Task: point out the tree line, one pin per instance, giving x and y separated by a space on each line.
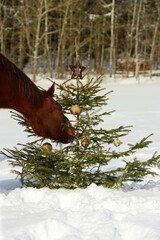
109 32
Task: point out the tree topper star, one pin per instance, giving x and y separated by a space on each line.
77 70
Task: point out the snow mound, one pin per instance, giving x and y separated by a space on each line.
93 213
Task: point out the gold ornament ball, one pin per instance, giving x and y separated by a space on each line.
47 147
75 109
85 143
116 142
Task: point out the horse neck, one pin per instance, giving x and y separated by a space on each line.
23 106
28 106
27 102
19 93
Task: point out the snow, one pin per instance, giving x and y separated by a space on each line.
94 213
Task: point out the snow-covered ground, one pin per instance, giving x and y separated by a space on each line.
95 213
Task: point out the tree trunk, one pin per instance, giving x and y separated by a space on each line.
37 42
60 40
137 41
112 44
131 37
154 41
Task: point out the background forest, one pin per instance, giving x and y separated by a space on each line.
114 35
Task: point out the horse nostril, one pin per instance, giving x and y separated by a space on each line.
70 136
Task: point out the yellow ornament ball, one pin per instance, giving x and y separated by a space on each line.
47 147
85 143
116 142
75 109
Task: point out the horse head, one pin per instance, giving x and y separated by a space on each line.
49 120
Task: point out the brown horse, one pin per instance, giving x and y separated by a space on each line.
43 113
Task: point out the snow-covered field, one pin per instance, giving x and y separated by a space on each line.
96 213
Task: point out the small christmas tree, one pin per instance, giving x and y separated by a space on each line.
86 159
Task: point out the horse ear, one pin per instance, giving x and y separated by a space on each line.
50 92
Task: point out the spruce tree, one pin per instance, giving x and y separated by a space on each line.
85 160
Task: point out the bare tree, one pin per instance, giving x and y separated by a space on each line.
137 39
112 44
61 40
155 34
3 19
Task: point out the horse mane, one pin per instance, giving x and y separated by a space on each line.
24 83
